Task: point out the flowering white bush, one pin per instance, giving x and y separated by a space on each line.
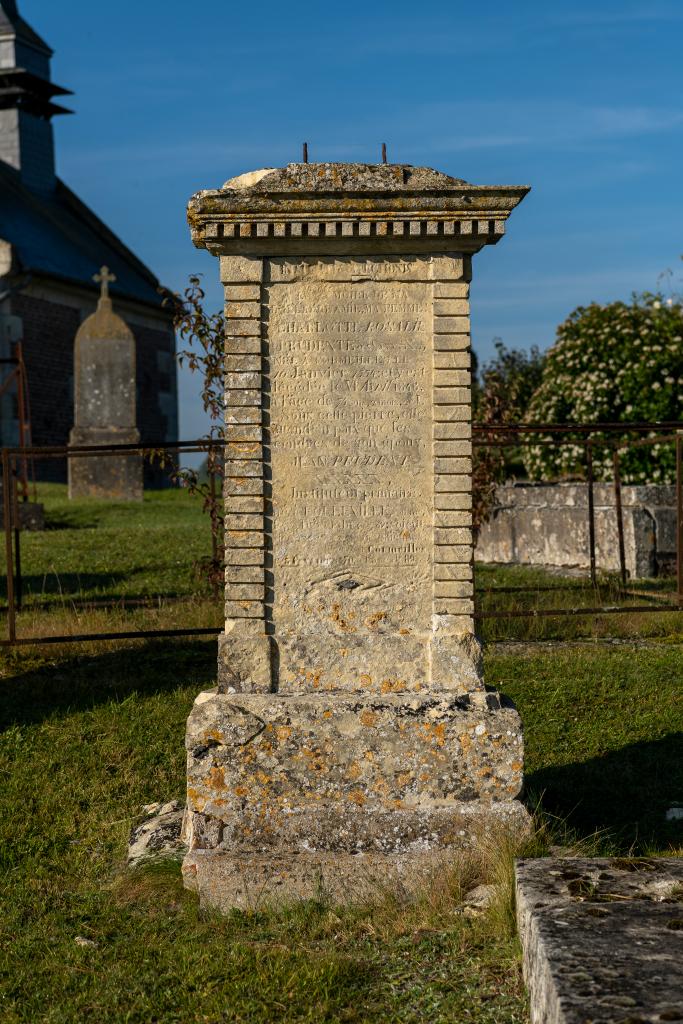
612 364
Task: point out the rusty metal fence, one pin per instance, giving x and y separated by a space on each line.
590 437
12 464
14 461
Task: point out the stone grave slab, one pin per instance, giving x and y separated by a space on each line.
105 404
602 939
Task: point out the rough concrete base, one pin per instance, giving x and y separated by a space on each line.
224 879
602 939
111 477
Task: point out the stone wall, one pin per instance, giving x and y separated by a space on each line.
547 524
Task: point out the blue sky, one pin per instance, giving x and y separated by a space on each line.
580 100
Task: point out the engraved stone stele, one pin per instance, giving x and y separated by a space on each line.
104 404
351 741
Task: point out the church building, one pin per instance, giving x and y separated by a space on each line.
51 245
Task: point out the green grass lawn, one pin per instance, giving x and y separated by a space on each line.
93 549
89 733
519 588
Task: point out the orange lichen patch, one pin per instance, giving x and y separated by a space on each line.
484 773
425 776
465 742
283 732
264 779
365 679
354 772
404 779
327 714
196 799
374 620
393 685
369 756
357 797
216 779
516 766
343 652
241 791
436 733
404 632
368 718
342 623
381 786
405 535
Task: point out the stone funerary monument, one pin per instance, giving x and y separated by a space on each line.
104 404
351 740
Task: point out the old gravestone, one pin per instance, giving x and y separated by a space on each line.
351 740
104 404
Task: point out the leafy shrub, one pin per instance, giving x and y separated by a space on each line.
612 364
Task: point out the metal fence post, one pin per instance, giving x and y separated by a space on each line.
620 515
591 509
679 519
7 514
18 583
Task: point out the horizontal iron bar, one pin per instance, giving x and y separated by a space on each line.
143 634
569 428
546 613
201 443
535 590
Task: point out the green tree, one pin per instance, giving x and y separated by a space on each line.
616 363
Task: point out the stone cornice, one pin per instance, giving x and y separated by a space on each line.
339 208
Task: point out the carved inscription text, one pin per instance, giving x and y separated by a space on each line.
350 430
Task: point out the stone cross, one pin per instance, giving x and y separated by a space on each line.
351 738
104 278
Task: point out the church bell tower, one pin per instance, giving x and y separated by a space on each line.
27 101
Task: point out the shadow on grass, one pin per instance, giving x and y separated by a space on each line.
626 792
72 519
81 682
66 584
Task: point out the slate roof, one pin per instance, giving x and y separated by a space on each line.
59 236
11 23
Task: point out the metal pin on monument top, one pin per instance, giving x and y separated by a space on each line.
384 152
305 152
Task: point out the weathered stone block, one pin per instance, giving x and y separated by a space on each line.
548 524
389 777
602 939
